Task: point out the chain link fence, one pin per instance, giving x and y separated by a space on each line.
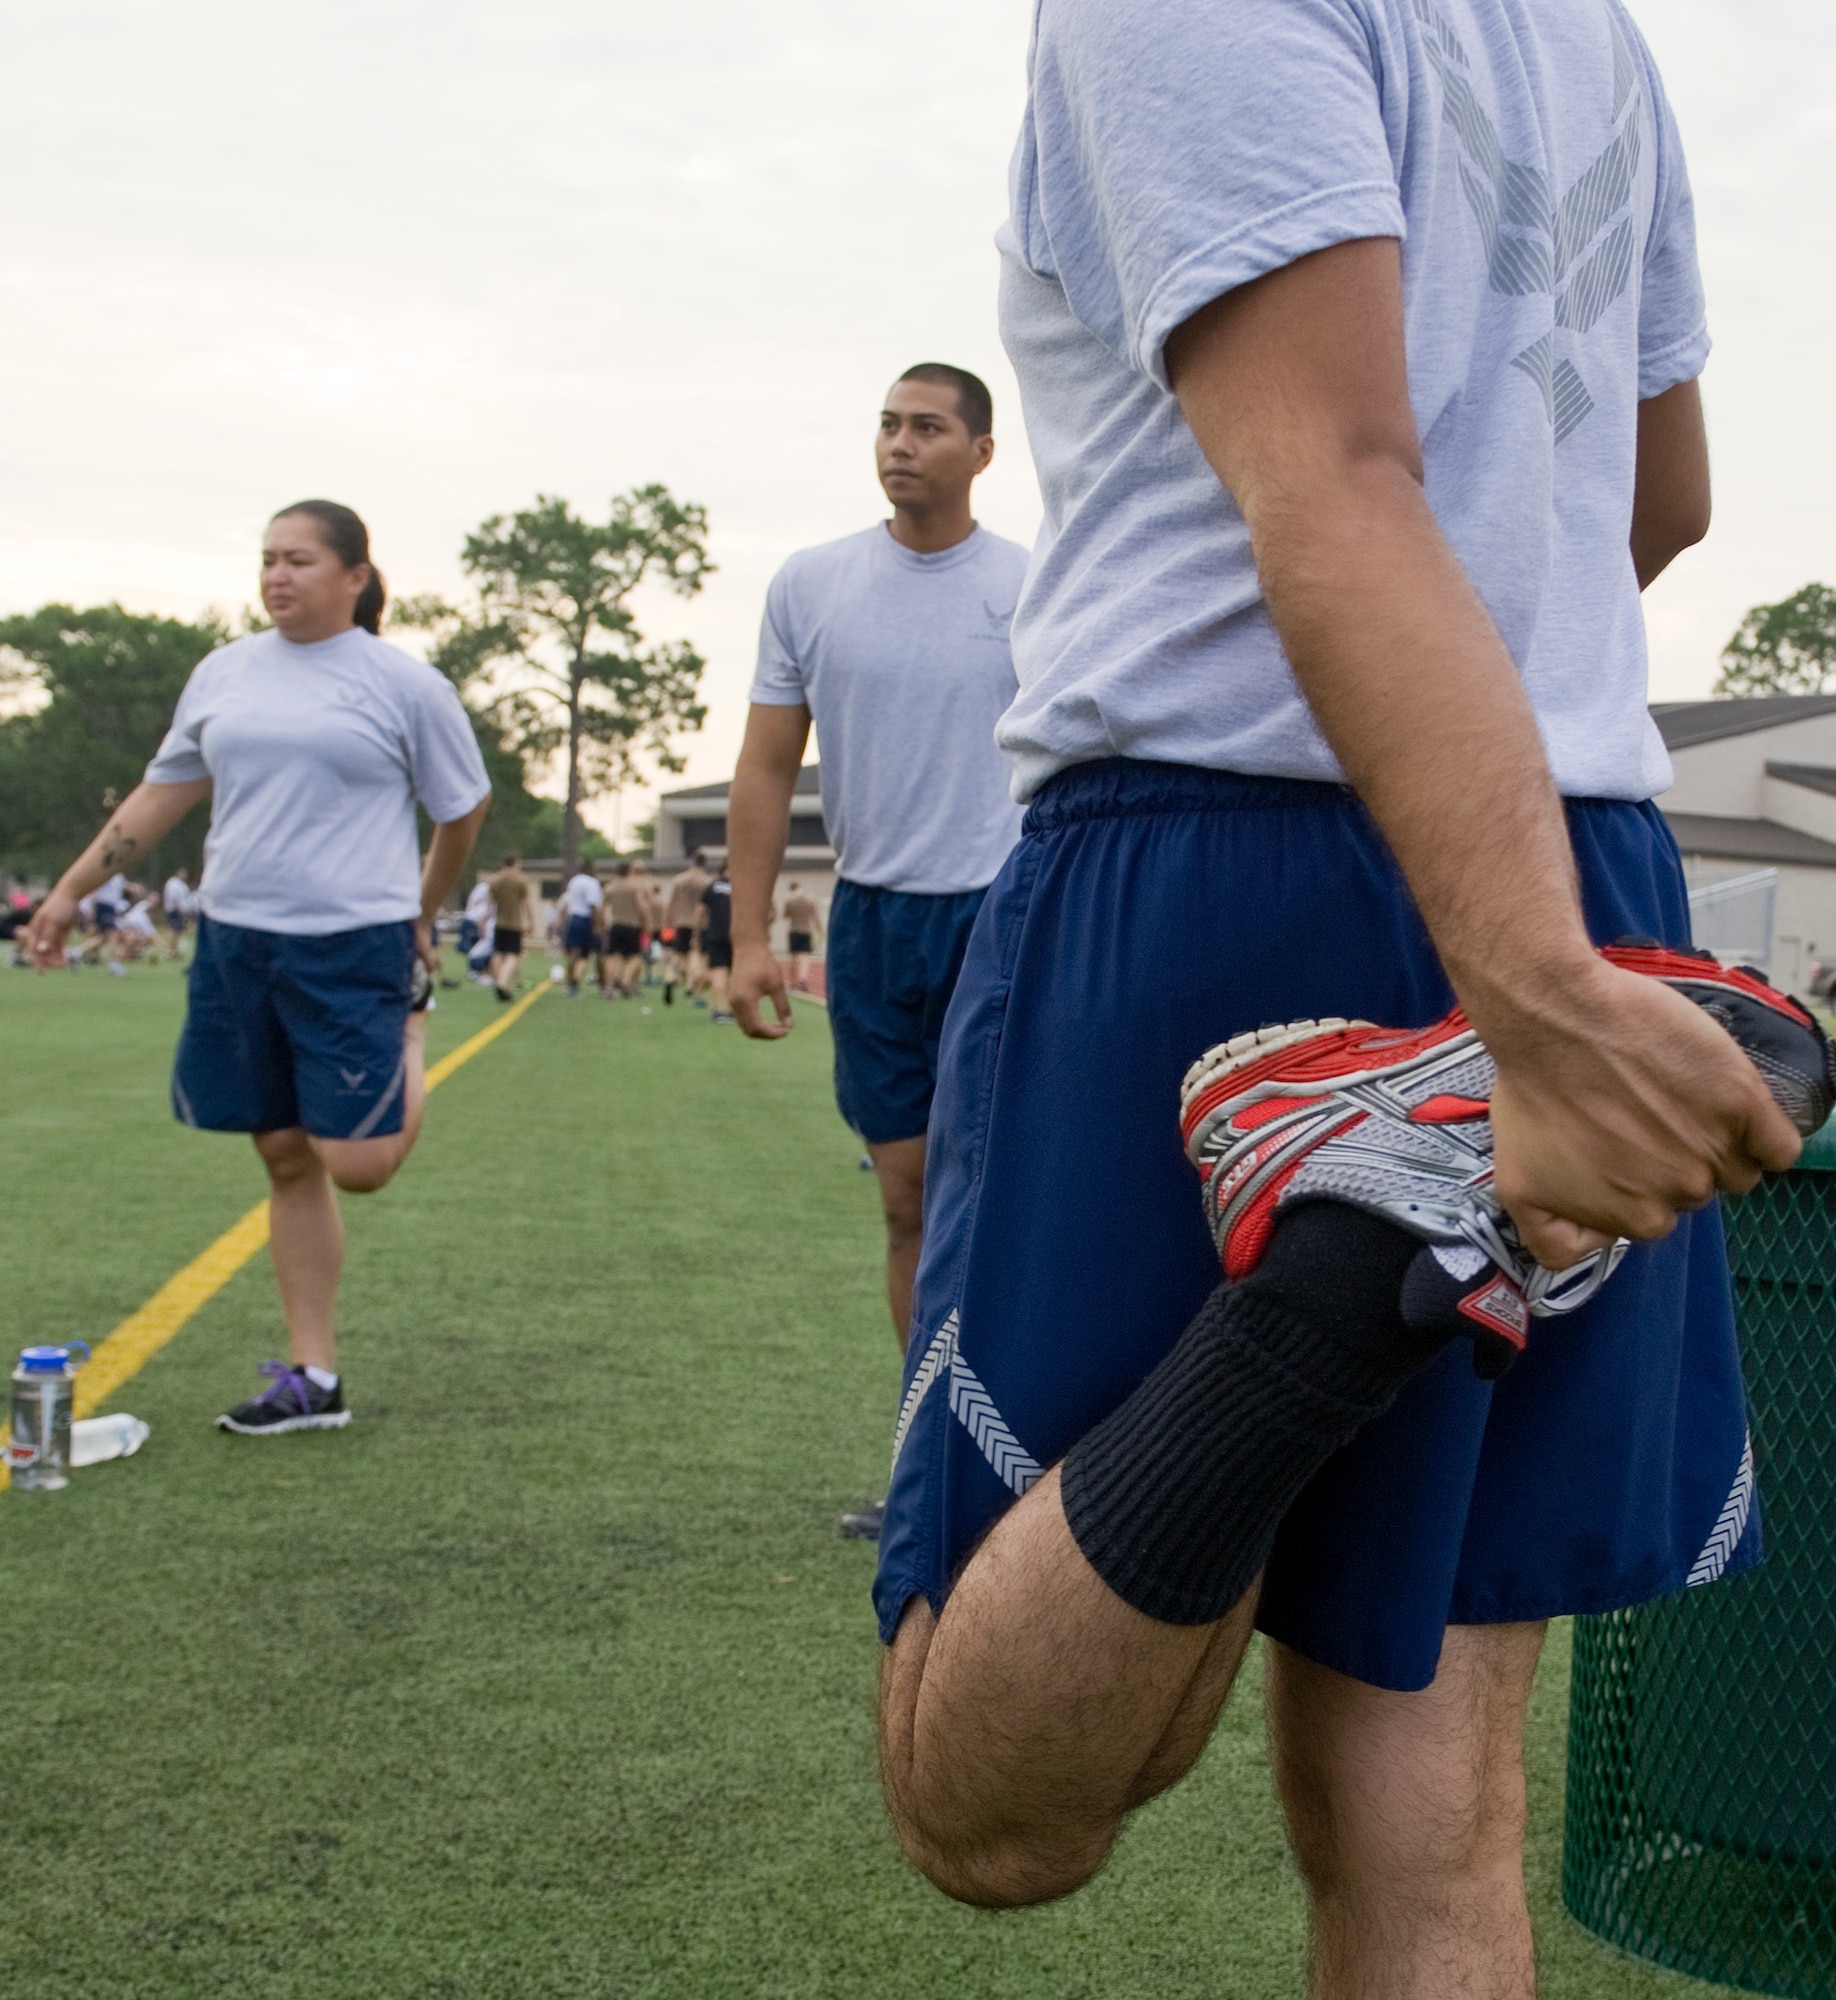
1701 1827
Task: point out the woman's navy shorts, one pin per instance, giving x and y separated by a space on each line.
1149 911
283 1031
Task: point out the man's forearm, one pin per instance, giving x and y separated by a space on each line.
758 828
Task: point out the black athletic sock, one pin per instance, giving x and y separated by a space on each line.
1175 1497
1461 1291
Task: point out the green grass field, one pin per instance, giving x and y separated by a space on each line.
548 1677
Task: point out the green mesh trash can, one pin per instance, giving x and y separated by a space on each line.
1701 1827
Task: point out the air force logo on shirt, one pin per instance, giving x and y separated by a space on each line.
1578 247
999 623
353 1078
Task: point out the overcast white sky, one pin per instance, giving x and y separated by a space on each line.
431 257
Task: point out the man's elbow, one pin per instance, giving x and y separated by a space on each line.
1694 522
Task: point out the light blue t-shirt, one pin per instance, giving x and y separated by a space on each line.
1175 149
317 756
903 662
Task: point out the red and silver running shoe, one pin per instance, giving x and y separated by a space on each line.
1782 1040
1398 1123
1394 1122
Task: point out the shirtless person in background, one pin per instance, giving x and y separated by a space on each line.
803 918
513 900
630 911
681 919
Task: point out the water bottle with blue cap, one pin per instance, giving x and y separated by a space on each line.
38 1452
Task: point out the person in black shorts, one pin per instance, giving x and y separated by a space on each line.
717 941
629 915
803 915
513 908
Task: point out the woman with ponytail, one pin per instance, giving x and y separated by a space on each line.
315 962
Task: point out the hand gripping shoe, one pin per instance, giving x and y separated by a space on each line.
1395 1122
1398 1124
1781 1039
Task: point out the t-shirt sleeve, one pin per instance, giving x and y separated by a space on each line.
1673 338
779 681
1179 150
179 760
445 764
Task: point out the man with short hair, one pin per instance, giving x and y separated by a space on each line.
512 919
894 642
1333 708
803 922
581 903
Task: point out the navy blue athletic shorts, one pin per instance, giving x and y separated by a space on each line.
1149 911
284 1031
580 936
893 963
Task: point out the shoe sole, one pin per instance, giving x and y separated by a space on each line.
334 1420
1240 1050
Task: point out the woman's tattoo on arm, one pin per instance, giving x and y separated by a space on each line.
117 847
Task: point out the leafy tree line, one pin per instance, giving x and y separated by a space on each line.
548 659
1784 648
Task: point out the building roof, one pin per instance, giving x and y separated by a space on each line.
1813 777
1682 724
1762 841
809 782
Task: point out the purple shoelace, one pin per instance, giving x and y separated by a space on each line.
282 1377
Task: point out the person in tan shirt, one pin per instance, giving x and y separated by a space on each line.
513 902
629 912
682 915
803 916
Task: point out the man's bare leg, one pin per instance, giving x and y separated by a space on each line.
1020 1729
1406 1813
899 1166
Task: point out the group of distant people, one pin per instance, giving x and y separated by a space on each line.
117 923
623 924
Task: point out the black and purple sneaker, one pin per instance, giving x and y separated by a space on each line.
292 1401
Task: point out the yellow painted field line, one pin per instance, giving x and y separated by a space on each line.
482 1040
147 1329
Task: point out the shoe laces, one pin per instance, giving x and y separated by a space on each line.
282 1377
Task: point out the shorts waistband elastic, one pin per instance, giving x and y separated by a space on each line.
1124 787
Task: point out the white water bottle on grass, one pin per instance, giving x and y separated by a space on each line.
94 1440
38 1451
